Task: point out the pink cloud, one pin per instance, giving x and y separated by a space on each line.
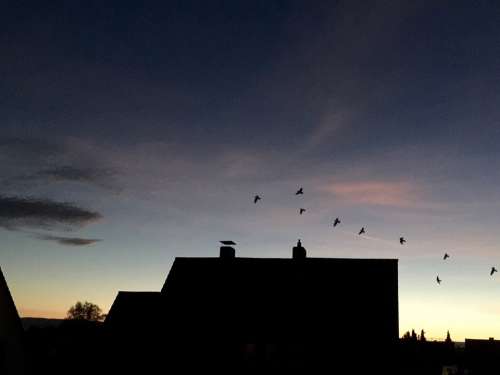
383 193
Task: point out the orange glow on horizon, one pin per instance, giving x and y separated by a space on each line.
35 313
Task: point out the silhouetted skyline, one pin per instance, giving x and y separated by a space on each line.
133 133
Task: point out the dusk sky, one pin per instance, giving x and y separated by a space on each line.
134 132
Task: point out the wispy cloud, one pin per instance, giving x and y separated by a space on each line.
85 175
369 237
26 161
30 147
18 212
331 124
96 176
372 192
73 174
69 241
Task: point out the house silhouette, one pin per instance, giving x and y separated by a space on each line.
11 334
482 356
227 310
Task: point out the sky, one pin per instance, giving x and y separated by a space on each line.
135 132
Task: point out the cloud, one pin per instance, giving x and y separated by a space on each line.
32 147
18 212
383 193
331 124
70 241
86 175
29 160
95 176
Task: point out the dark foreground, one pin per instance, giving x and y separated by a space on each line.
80 347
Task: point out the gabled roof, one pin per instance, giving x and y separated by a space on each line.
274 271
10 323
134 310
11 333
278 297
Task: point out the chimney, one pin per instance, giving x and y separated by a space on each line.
298 251
227 252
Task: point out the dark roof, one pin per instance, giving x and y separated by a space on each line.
10 323
480 344
186 270
12 359
256 297
135 310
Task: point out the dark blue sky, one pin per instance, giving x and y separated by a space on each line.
233 72
134 132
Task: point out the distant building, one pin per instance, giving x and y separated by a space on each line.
321 310
482 356
427 357
11 333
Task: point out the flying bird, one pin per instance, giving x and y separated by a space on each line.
493 270
336 222
438 279
446 256
300 191
402 240
302 210
226 242
362 231
256 199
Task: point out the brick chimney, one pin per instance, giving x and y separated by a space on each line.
299 252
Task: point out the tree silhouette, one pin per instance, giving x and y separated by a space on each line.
422 336
413 335
448 338
85 311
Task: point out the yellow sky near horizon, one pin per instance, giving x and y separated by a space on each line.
467 323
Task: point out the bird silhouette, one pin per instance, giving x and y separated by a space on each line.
402 240
336 222
256 199
438 279
302 210
446 256
228 242
300 191
362 231
493 270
